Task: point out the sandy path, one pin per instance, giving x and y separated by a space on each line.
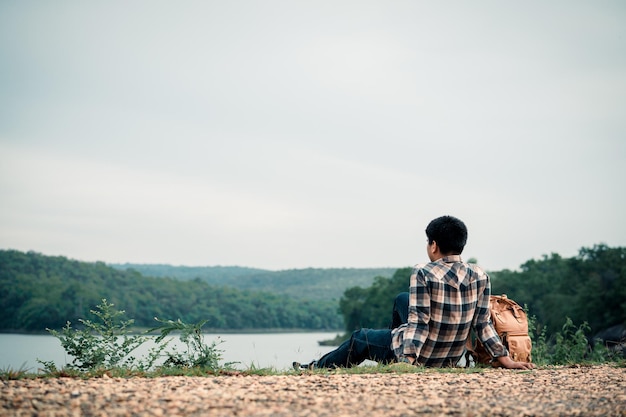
584 391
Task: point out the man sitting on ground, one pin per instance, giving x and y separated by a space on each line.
431 324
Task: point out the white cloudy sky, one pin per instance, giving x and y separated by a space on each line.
292 134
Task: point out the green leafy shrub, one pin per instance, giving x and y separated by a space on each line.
571 344
104 344
537 333
196 353
108 344
567 347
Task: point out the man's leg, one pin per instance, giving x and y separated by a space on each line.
400 314
364 344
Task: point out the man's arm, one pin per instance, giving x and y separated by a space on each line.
419 315
483 327
488 335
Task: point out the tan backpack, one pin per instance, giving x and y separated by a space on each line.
511 324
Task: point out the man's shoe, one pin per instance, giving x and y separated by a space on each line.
304 366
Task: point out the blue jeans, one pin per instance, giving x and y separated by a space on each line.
369 344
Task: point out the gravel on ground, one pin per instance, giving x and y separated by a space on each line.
562 391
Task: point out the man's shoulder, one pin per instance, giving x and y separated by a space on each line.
459 268
431 270
477 269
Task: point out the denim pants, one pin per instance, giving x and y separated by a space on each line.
372 344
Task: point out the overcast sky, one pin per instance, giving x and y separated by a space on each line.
294 134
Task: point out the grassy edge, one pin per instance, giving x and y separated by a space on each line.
399 369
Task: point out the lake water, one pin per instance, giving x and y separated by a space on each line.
262 350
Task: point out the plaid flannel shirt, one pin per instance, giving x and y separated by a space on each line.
447 298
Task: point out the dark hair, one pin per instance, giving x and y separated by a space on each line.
450 234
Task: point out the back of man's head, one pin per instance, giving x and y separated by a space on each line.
450 234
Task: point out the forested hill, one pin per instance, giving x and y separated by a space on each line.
309 283
38 291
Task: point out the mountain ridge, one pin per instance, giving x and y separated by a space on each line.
311 283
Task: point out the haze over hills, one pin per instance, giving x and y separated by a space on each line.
309 283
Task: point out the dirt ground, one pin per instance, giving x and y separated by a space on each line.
567 391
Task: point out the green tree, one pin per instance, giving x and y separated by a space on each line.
590 287
371 307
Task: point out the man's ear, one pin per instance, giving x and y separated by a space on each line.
434 247
435 252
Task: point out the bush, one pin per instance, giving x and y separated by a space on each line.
108 344
197 354
567 347
104 344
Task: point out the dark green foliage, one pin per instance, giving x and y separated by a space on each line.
38 292
589 288
586 292
103 343
371 307
568 346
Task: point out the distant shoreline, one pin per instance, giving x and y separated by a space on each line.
139 331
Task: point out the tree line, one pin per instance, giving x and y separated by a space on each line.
39 292
590 287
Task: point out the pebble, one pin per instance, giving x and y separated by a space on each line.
585 391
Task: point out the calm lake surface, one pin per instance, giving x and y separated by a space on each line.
262 350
